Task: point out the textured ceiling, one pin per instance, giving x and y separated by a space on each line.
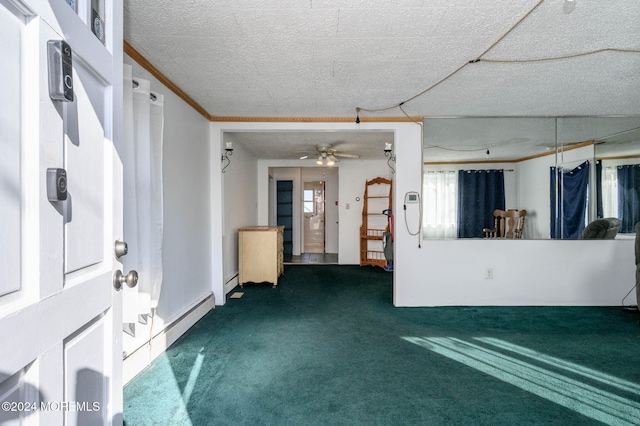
324 58
294 145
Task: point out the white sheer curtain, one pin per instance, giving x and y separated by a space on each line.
440 204
143 216
610 192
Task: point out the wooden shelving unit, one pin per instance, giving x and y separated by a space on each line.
284 214
378 196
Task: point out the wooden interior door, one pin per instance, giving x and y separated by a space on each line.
60 317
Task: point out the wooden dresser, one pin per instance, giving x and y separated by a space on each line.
260 254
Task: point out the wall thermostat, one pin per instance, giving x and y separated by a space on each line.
56 184
60 71
411 198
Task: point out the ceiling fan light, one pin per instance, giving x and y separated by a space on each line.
319 162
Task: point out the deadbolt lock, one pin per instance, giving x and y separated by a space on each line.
120 249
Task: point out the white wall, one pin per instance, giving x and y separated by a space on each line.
187 213
533 195
525 272
352 185
239 207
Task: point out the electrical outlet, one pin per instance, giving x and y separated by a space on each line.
488 274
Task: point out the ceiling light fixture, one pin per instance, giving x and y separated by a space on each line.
326 159
228 151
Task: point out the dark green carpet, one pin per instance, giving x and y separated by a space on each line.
328 347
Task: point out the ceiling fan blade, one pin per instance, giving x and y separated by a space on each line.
344 155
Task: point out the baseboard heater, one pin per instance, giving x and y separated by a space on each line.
140 358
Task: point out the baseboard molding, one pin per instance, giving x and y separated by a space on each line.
139 359
230 284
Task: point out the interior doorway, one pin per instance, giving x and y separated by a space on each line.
313 207
286 204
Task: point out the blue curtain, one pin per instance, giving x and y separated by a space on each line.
599 205
480 192
628 197
572 196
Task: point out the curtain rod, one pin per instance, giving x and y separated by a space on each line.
453 171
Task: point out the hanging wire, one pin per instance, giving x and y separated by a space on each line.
557 58
480 58
454 149
457 70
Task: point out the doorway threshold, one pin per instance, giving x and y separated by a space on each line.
313 258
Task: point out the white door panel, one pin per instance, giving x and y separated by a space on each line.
84 146
10 134
17 389
85 377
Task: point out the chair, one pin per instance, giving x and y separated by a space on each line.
510 220
601 229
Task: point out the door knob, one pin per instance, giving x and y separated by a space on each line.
131 279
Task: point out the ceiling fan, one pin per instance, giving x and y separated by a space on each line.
327 155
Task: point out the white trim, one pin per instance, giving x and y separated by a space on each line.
230 284
139 359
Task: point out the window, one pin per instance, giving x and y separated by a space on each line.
308 201
440 203
610 192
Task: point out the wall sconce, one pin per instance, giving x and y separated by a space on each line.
388 148
228 151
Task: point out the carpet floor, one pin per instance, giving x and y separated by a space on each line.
327 347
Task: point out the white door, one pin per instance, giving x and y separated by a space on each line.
60 315
314 217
